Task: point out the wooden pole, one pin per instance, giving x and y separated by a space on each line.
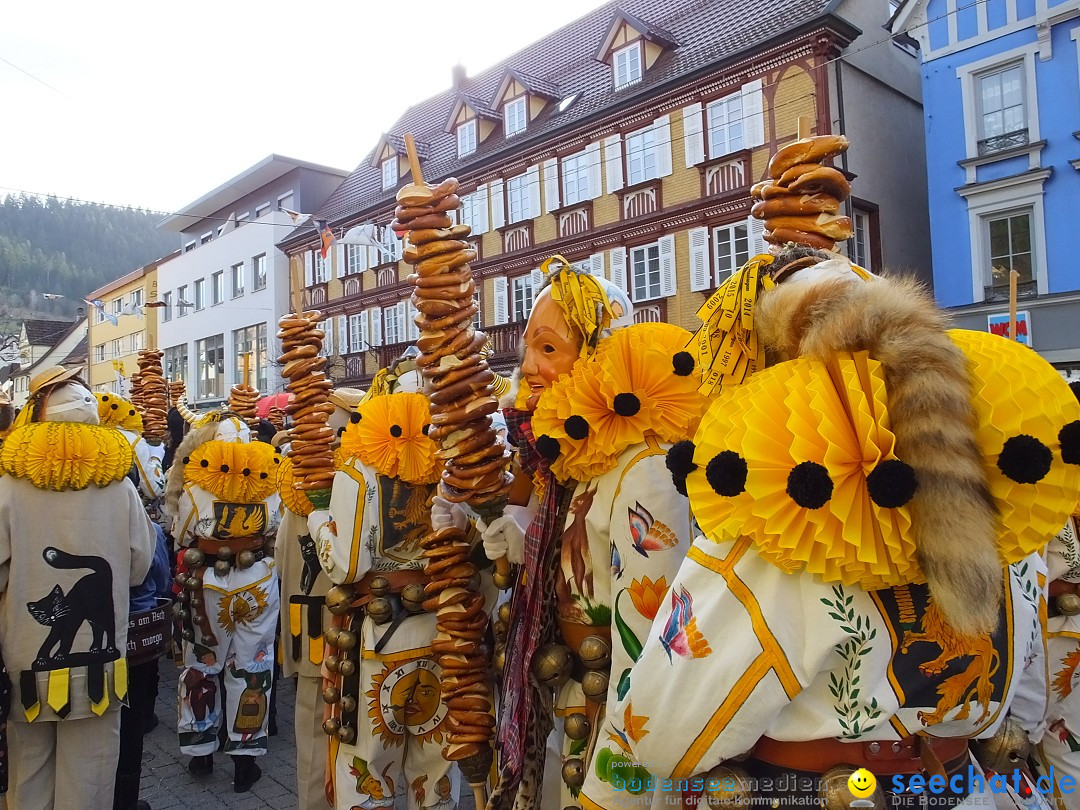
414 159
1013 278
297 288
247 368
804 127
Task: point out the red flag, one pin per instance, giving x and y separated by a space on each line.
327 237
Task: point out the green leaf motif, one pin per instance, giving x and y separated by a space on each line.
629 640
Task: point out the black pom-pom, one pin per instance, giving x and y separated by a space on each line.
340 432
1025 459
263 475
682 364
576 427
246 471
548 447
277 460
891 484
277 450
395 431
204 463
104 397
1069 438
185 459
627 404
1075 387
114 407
726 473
680 463
809 485
131 412
354 418
224 467
427 429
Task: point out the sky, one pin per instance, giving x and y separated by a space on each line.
154 103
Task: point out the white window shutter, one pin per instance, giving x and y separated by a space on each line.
756 229
327 328
668 280
613 162
374 255
596 265
592 157
363 258
662 134
551 185
498 207
532 179
339 262
402 314
309 268
342 334
501 311
376 326
364 336
410 314
537 278
693 136
618 267
699 259
753 113
480 211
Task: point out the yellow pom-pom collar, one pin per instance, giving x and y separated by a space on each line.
66 455
389 433
115 411
233 471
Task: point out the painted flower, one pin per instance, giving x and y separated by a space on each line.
647 595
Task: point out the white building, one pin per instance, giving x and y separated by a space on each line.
225 291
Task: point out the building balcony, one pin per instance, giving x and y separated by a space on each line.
727 174
505 340
1002 143
574 219
651 312
640 200
518 236
315 296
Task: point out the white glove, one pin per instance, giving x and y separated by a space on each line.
505 536
316 520
446 515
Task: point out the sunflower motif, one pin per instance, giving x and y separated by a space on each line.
242 607
234 472
115 411
66 455
389 433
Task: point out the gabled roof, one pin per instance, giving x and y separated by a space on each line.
533 84
397 143
653 33
480 108
79 354
46 331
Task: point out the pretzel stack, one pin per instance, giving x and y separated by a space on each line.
801 201
243 401
276 417
151 397
310 436
176 392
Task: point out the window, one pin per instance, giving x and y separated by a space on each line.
182 302
200 294
166 311
210 360
860 239
517 198
99 353
356 259
137 297
135 342
514 116
115 349
466 138
259 271
251 339
389 172
645 272
474 210
322 268
217 287
641 163
206 237
356 333
627 65
725 121
286 201
175 362
732 244
237 280
262 210
189 246
117 305
522 300
478 318
394 325
243 219
575 179
1002 123
1010 244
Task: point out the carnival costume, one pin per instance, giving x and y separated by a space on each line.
873 510
115 411
73 539
223 501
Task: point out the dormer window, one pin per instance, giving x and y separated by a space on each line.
626 63
389 173
514 116
466 138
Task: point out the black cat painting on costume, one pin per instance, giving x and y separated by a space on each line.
90 600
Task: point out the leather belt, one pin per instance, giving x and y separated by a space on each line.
877 756
397 579
211 545
573 634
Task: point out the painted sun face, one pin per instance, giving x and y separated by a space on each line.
415 698
551 347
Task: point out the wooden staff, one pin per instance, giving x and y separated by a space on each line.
1014 276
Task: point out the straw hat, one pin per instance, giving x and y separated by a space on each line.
54 375
346 398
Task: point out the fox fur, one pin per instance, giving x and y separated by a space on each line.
816 314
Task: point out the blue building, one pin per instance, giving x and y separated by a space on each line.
1001 96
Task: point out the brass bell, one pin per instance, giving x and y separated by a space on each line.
195 600
338 600
502 581
245 559
595 652
330 635
503 612
595 685
331 663
379 586
193 558
224 553
573 772
331 726
1006 750
412 598
193 584
380 610
184 597
198 618
183 614
177 609
499 659
346 667
346 734
1068 604
551 665
187 635
727 786
833 791
346 640
500 629
348 704
577 726
331 694
180 579
222 568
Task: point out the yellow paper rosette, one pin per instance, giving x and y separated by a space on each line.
579 457
115 411
389 433
295 500
235 472
66 455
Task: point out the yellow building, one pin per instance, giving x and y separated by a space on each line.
114 349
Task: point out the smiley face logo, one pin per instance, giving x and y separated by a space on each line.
861 783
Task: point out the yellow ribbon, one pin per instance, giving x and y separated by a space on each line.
315 650
120 678
582 300
100 707
59 680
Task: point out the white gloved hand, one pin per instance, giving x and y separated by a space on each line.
446 514
505 536
317 520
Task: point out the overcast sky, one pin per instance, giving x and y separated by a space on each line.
152 103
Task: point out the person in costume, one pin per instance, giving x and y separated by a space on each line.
73 539
873 503
303 591
385 698
222 498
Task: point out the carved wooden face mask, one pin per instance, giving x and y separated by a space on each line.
551 347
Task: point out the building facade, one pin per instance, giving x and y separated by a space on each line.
1001 83
228 286
48 346
627 142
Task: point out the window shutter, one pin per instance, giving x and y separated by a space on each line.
618 267
363 336
413 329
592 157
374 256
501 314
402 333
309 268
551 185
339 262
693 137
699 259
342 334
327 327
537 278
596 265
756 230
668 281
532 179
753 113
662 134
376 326
480 211
363 259
613 162
498 207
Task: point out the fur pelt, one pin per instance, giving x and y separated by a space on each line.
897 322
174 481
